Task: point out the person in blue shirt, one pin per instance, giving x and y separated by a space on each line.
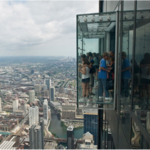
126 75
102 75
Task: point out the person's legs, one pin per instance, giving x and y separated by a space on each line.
104 85
125 91
100 88
87 89
83 89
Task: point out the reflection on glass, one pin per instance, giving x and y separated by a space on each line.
142 64
127 48
95 34
137 139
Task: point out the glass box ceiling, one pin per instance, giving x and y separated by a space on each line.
96 25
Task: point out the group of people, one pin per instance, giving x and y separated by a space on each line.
94 66
102 68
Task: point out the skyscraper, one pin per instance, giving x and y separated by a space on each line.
70 137
91 123
48 83
33 115
31 96
32 137
45 111
52 94
36 137
42 129
15 105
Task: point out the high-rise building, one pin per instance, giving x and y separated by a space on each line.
31 96
36 137
15 105
52 93
33 115
48 83
42 129
88 142
38 141
32 71
0 104
44 87
25 108
37 88
70 137
32 137
45 111
91 123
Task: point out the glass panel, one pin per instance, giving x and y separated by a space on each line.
127 48
110 5
137 139
125 120
128 5
141 4
141 97
93 40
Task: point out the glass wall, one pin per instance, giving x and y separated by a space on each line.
125 32
141 95
94 38
111 5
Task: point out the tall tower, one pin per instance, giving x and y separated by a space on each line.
70 137
42 129
15 105
32 137
52 94
36 137
45 111
91 123
48 83
0 104
33 115
31 96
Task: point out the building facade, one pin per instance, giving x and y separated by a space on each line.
48 83
70 137
91 124
52 94
36 137
33 115
45 111
31 96
120 28
15 105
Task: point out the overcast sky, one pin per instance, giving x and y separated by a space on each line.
40 28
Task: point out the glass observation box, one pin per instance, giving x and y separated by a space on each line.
92 41
108 32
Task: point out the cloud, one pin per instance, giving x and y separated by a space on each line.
40 27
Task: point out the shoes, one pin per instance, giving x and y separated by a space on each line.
100 99
108 99
92 94
82 99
